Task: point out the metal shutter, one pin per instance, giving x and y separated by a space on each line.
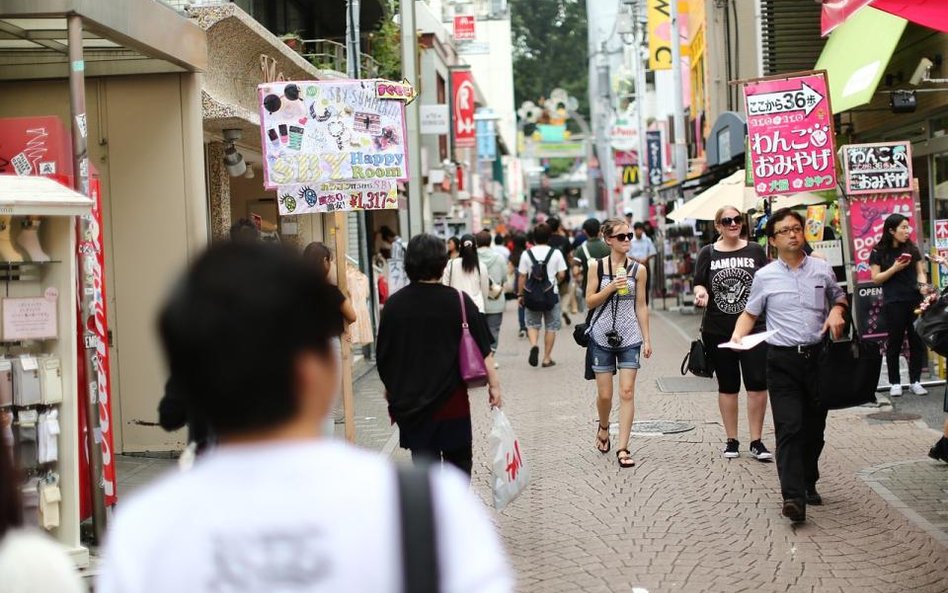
791 35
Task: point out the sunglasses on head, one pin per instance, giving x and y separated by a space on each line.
622 237
729 220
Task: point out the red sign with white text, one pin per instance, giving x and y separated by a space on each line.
462 93
464 28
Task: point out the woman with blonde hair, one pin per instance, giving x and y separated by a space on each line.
724 273
618 332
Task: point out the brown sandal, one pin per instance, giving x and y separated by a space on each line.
626 461
605 441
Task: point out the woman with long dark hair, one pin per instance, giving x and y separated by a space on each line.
454 248
897 266
467 273
29 560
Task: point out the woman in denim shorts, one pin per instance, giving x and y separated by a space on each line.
618 333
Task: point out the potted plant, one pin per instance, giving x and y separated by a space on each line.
293 41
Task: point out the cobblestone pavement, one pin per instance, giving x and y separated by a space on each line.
685 519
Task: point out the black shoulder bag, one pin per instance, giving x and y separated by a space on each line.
419 542
696 361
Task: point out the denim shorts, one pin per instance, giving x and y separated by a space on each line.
605 360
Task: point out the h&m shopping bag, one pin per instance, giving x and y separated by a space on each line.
511 474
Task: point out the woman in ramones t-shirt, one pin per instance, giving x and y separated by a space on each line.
724 273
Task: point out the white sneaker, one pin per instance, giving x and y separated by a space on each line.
917 389
895 391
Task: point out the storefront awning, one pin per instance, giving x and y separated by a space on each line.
119 38
927 13
41 196
853 63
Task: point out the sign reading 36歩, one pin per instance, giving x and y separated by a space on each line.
790 134
878 168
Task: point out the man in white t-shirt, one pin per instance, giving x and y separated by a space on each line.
642 250
536 319
276 508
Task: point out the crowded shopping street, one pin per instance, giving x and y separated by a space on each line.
473 296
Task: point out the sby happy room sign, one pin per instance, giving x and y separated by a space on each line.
315 132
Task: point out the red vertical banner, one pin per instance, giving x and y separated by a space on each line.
91 243
463 98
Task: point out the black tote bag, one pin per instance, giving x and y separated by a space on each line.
848 373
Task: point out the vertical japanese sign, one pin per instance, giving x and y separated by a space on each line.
318 136
790 129
875 168
465 28
866 218
653 144
462 113
941 245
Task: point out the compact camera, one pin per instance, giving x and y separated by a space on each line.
613 338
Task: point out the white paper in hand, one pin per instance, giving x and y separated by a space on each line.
749 341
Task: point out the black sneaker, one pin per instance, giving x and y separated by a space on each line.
760 453
795 510
733 449
940 450
813 497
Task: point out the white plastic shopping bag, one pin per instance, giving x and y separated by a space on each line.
511 473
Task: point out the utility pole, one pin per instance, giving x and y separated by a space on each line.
413 117
680 146
640 88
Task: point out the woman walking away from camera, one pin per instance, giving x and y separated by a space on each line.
519 241
618 333
418 359
896 264
724 274
467 273
29 560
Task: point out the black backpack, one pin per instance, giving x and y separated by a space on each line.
539 293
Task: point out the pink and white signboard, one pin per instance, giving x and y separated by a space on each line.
790 134
337 130
866 217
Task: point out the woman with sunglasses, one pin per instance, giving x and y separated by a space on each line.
724 273
618 332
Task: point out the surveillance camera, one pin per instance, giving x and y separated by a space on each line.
234 162
921 72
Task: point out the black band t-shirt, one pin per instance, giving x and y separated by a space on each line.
728 276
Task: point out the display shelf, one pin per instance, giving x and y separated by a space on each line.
24 271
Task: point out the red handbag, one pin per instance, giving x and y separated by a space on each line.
470 359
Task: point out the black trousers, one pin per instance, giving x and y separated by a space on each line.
798 420
899 318
462 458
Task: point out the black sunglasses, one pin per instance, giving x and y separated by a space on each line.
729 220
622 237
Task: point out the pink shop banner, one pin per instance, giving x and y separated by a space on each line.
866 217
790 133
